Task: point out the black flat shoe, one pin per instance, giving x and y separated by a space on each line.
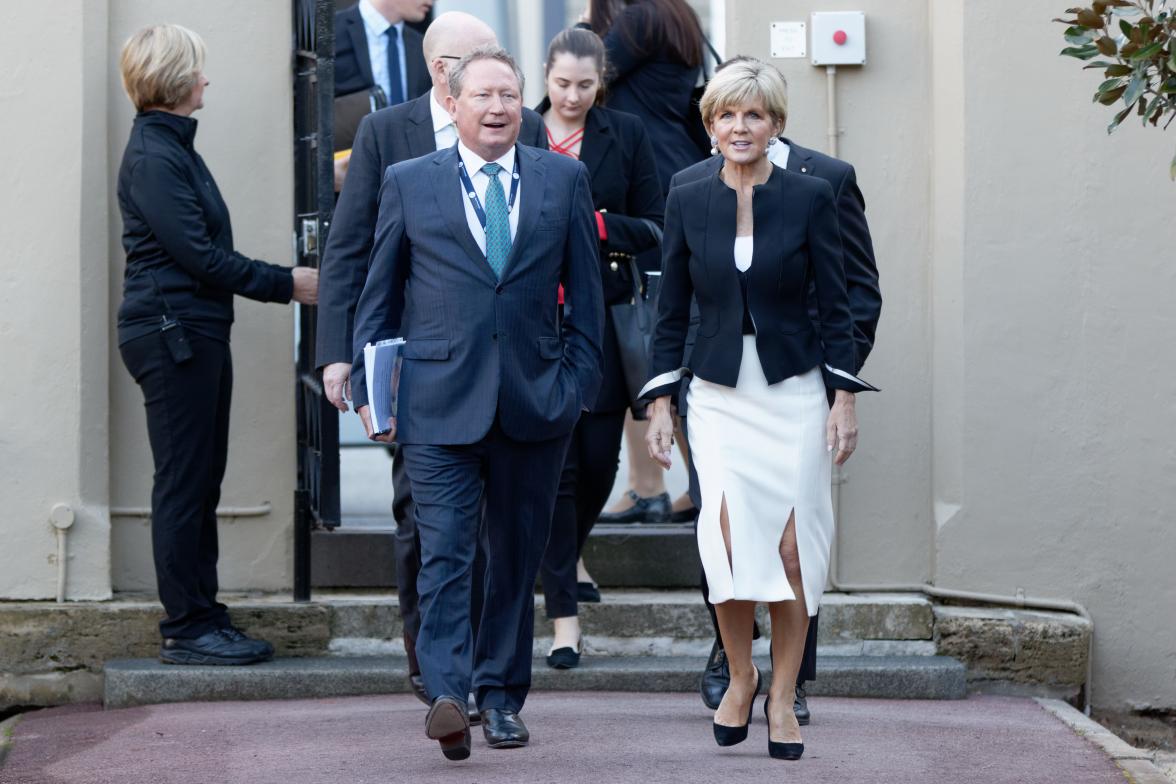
655 509
587 593
504 729
800 707
218 647
448 724
263 648
715 678
566 658
778 750
688 515
729 736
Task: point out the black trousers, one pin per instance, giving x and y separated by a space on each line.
503 492
188 427
808 665
408 561
584 486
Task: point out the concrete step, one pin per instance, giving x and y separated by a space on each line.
131 682
619 556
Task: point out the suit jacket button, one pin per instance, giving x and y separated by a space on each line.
498 289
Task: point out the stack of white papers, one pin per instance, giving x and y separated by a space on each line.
382 361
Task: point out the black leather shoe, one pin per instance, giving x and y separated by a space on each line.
655 509
687 515
214 648
262 646
448 724
729 736
587 593
417 684
780 750
504 729
566 658
715 678
800 707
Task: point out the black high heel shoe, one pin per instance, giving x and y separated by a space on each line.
776 750
729 736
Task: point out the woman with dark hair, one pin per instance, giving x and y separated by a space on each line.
655 50
627 194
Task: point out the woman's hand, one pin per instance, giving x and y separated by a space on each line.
305 285
659 436
841 431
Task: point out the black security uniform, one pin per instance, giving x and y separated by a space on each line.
173 334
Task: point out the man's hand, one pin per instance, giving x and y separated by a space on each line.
385 438
305 285
337 384
341 164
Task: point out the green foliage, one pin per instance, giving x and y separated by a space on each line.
1141 37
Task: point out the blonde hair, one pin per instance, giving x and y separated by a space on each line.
744 81
160 65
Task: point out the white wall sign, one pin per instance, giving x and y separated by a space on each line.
789 39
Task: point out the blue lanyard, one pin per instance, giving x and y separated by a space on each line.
472 194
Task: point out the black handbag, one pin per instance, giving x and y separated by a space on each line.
633 322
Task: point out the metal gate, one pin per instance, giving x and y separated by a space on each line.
316 501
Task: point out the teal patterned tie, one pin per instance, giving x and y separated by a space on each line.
497 221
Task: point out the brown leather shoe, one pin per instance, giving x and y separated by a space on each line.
448 724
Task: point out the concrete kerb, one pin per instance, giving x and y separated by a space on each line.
7 734
1137 764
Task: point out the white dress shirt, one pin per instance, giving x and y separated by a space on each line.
444 131
778 154
374 27
481 180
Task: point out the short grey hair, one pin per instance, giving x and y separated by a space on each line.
496 53
744 80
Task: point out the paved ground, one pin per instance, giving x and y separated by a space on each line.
598 738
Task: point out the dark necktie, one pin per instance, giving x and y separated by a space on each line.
497 221
397 94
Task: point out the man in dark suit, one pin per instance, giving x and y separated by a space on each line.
392 135
374 47
865 301
492 383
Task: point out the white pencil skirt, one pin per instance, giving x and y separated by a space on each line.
762 448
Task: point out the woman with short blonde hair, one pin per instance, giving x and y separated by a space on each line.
160 65
762 433
173 333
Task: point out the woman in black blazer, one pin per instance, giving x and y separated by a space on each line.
173 333
761 430
628 198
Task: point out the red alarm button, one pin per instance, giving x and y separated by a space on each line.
840 38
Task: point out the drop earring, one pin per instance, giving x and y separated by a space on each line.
714 140
768 149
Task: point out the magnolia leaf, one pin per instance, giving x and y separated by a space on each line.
1108 98
1081 52
1118 119
1088 18
1135 89
1146 51
1078 39
1119 70
1106 45
1126 27
1126 10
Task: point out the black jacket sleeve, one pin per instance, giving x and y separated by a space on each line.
165 197
861 270
673 307
345 261
640 229
828 271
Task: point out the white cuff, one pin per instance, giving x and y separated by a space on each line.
851 377
661 380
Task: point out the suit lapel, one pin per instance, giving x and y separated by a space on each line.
358 38
800 160
452 208
598 140
531 199
419 129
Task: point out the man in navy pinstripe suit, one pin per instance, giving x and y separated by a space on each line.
492 382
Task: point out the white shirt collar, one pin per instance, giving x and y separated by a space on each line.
778 154
374 21
441 118
474 163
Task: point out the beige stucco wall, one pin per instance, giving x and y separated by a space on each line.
1024 440
53 306
245 136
